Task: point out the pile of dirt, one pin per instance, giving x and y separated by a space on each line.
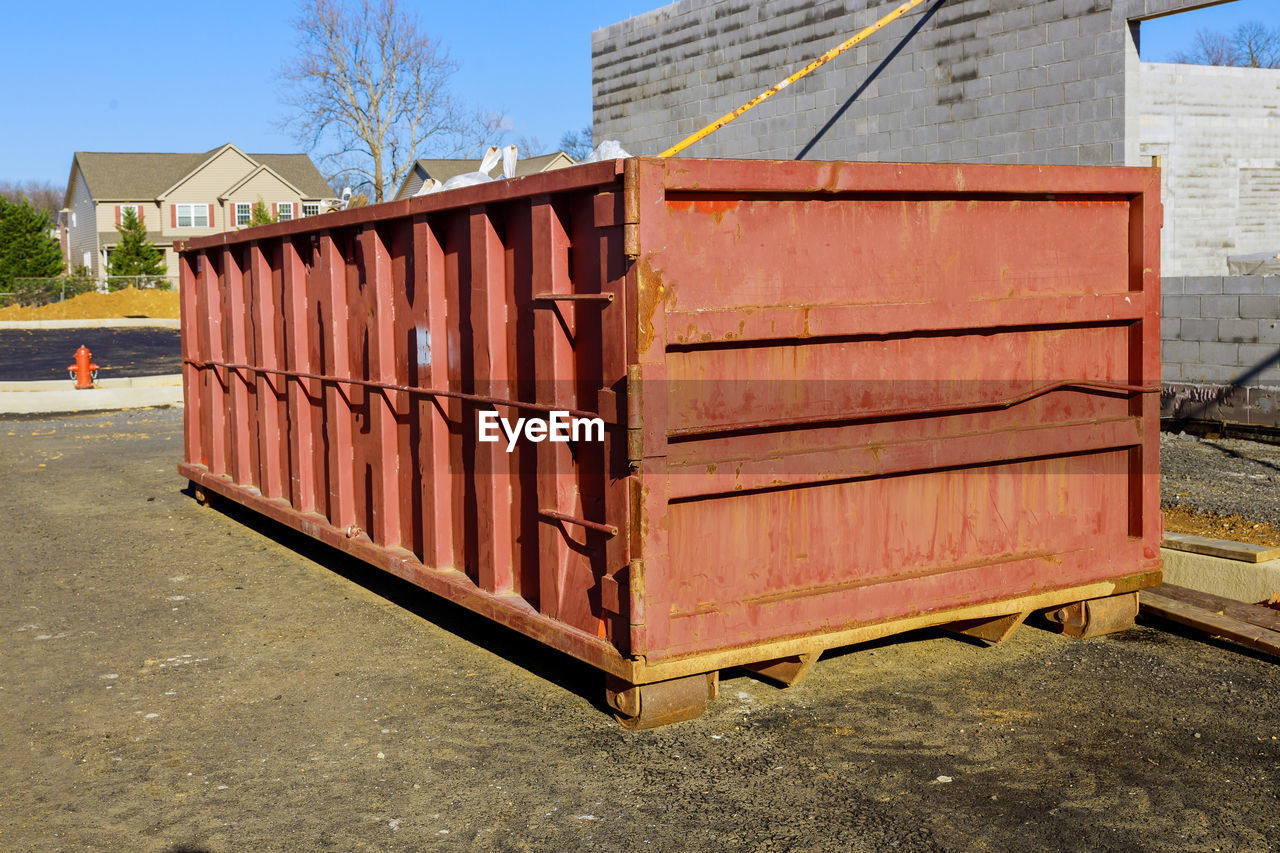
130 302
1178 519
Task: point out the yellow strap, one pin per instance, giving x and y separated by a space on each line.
770 92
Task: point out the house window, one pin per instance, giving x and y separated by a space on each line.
193 215
125 208
284 211
310 210
244 213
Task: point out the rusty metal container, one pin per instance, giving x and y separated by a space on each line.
840 401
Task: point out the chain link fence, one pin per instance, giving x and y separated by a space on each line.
45 291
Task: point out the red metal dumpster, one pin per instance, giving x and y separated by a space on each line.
835 401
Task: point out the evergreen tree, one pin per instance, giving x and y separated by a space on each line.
26 247
135 255
260 216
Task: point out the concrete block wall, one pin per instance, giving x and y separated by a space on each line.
991 81
1220 348
1220 329
1217 134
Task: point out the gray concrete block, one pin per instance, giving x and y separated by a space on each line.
1169 328
1221 307
1170 372
1195 329
1170 285
1269 331
1238 331
1242 284
1264 307
1203 284
1257 355
1180 351
1219 353
1181 306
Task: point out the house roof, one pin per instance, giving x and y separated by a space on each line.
444 169
127 176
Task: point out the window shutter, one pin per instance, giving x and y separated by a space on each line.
295 210
142 216
275 209
118 216
211 214
173 215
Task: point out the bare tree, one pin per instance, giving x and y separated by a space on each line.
369 90
577 144
1257 44
42 195
1251 44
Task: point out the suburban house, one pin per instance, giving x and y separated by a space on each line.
443 170
178 196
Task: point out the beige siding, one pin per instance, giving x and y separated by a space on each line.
82 236
267 188
211 180
107 215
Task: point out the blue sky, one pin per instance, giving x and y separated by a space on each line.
109 77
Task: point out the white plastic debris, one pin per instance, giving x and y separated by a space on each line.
509 156
429 186
480 176
610 149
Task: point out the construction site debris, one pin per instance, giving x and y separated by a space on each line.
129 302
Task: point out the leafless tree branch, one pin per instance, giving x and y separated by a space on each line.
369 89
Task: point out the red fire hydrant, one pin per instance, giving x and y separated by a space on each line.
84 371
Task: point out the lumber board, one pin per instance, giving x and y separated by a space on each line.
1254 614
1242 551
1213 619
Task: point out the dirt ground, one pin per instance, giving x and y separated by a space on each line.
128 302
179 678
1223 488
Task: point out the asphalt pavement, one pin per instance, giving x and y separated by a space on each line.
31 355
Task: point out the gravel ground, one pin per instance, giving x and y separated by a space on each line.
178 678
43 354
1222 476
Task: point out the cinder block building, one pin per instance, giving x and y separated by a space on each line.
995 81
973 81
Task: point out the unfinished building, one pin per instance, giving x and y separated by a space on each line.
993 81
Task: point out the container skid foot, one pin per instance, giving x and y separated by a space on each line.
787 671
1097 616
647 706
198 492
993 631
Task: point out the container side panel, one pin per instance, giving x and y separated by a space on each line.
430 356
381 434
213 344
519 264
265 307
887 401
303 395
796 561
235 306
334 337
463 511
486 280
194 449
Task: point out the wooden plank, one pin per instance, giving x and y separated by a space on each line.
1254 614
1217 623
1242 551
